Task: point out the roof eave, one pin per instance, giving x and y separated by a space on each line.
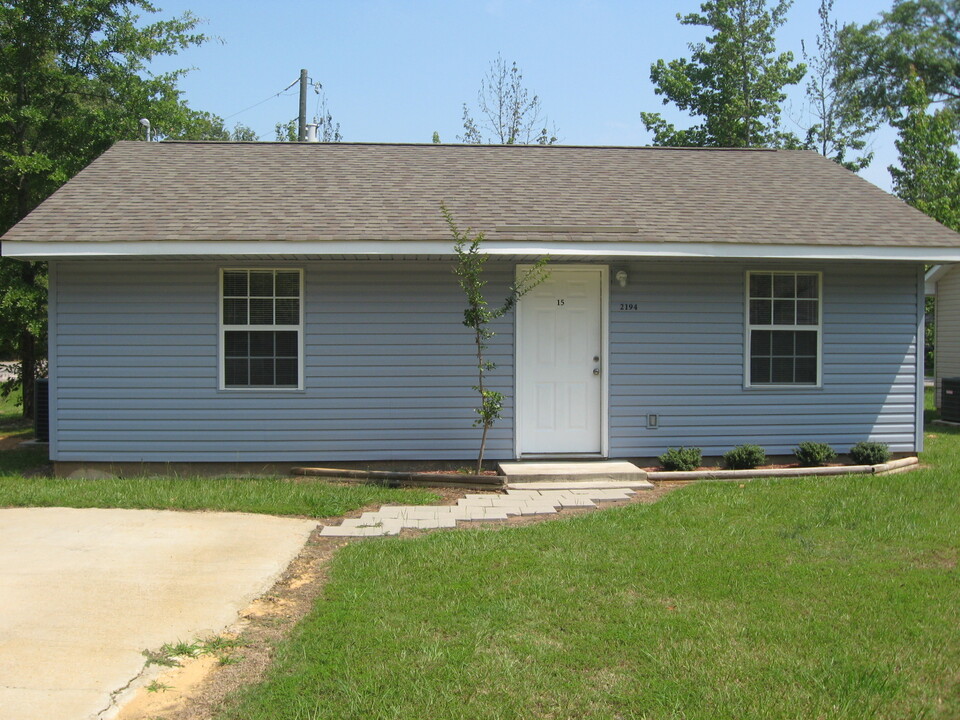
933 275
37 250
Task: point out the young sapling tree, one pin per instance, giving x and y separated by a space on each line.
478 315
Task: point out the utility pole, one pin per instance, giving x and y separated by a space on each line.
302 125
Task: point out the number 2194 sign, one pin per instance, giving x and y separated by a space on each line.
629 306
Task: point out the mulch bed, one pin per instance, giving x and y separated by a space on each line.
773 466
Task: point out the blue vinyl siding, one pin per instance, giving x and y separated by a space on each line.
681 357
388 366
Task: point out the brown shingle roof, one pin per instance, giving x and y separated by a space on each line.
316 192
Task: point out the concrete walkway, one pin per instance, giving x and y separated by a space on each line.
84 592
391 519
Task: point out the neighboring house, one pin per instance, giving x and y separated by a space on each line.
943 283
292 303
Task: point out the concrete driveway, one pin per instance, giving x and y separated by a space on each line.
84 592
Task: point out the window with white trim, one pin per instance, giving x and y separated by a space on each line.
783 328
261 339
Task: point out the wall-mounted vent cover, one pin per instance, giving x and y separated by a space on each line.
950 399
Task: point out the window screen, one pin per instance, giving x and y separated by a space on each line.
783 328
262 328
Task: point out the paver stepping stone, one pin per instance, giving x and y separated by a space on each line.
538 510
334 531
474 507
575 501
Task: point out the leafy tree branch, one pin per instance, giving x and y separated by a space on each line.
841 126
916 38
929 174
733 81
74 79
478 315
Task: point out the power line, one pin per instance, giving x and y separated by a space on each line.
276 94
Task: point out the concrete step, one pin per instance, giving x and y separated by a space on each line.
573 475
581 485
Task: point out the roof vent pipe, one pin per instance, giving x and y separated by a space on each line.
312 132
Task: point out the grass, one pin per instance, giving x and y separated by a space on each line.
270 496
15 462
11 416
221 646
25 482
812 597
798 598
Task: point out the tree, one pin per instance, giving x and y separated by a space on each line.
286 132
477 316
328 131
73 80
917 38
841 126
734 81
929 174
243 133
508 113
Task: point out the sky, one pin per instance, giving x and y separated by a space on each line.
398 70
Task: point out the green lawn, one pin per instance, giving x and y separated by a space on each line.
800 598
20 486
271 496
11 416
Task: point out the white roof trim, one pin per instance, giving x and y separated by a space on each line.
40 250
933 275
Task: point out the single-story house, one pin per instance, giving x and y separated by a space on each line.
291 303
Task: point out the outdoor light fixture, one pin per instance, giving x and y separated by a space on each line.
621 277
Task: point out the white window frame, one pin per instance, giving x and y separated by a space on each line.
749 328
222 330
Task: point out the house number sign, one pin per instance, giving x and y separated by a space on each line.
629 306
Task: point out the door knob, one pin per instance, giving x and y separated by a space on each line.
596 371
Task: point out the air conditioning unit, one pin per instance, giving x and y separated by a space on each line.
950 399
41 411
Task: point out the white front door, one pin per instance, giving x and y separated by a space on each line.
560 383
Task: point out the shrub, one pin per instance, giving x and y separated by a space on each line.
744 457
681 458
811 454
870 453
